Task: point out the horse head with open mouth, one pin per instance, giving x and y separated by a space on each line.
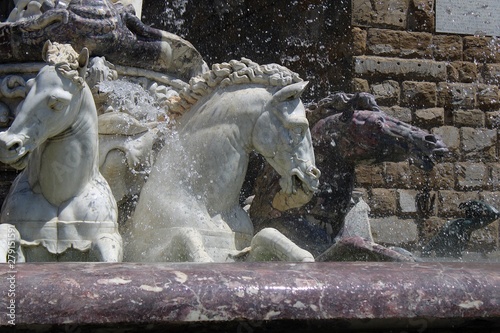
347 130
283 138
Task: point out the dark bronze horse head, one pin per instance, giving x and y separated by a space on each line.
361 133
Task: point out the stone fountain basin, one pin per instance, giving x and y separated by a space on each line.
248 297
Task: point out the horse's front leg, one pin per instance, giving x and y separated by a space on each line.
270 245
108 248
188 244
10 244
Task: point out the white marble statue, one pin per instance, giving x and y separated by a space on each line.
61 205
188 209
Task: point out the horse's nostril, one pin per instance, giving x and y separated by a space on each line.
15 146
314 172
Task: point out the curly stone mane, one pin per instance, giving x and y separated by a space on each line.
65 60
232 73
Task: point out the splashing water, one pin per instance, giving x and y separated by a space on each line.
132 98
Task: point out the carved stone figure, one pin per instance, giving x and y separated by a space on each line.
189 208
106 29
355 241
452 239
61 205
125 152
344 134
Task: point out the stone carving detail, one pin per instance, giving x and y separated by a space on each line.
106 29
189 207
130 127
126 152
348 129
355 241
60 203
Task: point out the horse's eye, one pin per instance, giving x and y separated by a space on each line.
297 130
57 103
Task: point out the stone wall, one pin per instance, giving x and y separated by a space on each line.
447 84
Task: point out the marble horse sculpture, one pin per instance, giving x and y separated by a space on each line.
347 130
61 205
189 208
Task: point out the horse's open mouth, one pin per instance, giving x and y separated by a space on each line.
20 160
297 189
307 182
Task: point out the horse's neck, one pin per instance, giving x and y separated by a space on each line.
83 133
65 164
221 137
220 158
234 110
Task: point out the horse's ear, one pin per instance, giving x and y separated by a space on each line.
45 49
83 61
291 91
83 58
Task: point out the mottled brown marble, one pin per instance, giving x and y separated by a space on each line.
352 295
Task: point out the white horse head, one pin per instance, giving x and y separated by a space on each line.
50 107
189 207
282 136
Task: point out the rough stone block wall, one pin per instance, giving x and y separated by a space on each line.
447 84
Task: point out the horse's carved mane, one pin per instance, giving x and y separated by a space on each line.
65 60
242 71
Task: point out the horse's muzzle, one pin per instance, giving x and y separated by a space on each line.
12 150
309 178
